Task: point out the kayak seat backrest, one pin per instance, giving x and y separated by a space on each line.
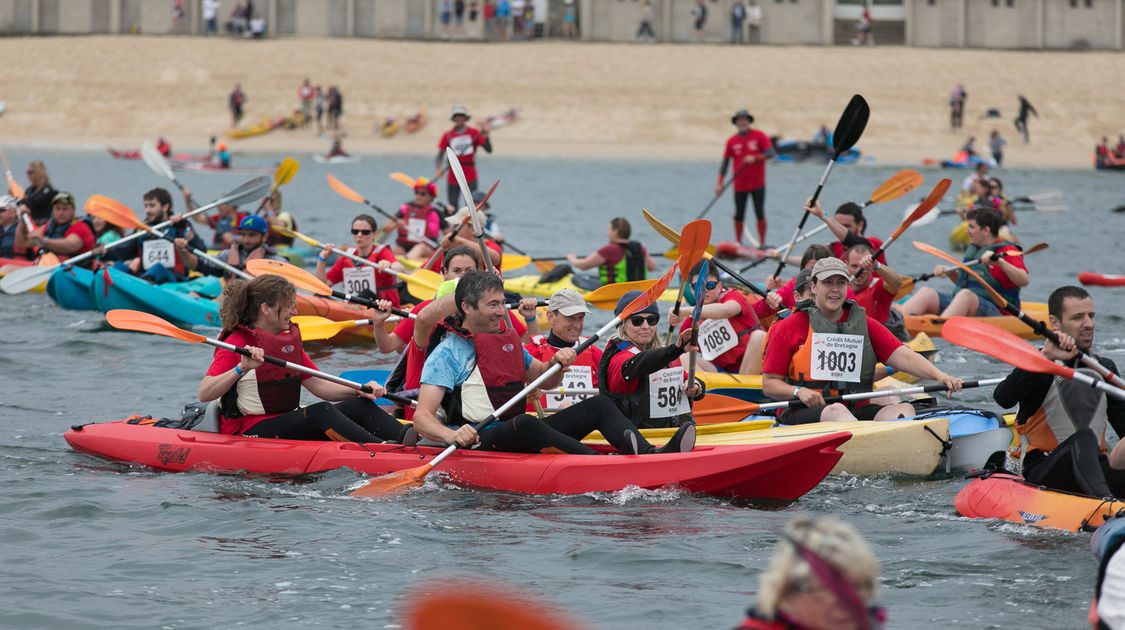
210 420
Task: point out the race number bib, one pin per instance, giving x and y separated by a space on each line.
416 227
716 336
666 393
577 377
358 279
158 251
461 145
836 357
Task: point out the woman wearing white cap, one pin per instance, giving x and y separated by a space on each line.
830 346
464 141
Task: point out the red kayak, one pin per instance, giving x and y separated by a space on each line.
1009 497
727 249
215 168
1101 279
134 154
784 470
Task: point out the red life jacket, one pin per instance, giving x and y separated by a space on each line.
410 211
497 376
267 389
539 348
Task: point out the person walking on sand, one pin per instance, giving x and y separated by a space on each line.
1021 119
956 107
235 101
644 31
748 150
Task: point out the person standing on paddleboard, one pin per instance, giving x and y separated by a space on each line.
748 150
1062 423
478 365
830 346
464 141
260 399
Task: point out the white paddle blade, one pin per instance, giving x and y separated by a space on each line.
155 161
25 279
252 190
925 219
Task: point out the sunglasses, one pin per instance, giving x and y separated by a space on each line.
651 320
424 193
363 232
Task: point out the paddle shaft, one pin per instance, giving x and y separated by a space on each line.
812 202
784 251
1041 329
730 181
922 389
363 261
927 276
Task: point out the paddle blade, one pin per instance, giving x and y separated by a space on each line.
342 189
315 328
715 408
650 295
391 483
508 262
925 219
286 232
610 293
126 319
851 125
14 189
25 279
285 172
155 161
1000 344
661 229
482 609
697 292
928 204
246 192
694 239
403 179
299 277
425 278
930 249
896 186
543 265
113 211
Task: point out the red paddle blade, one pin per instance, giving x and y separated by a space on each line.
390 483
651 294
1000 344
483 609
694 239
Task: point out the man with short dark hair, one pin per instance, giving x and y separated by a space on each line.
1062 423
478 366
251 245
151 256
848 226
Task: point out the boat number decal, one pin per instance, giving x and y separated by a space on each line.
836 357
1030 518
169 454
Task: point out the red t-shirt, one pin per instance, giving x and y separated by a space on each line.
998 273
788 335
464 143
746 320
752 176
385 281
543 351
224 361
837 248
83 231
875 300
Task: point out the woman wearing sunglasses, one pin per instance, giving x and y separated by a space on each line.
644 378
360 278
414 219
39 196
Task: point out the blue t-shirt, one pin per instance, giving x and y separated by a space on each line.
453 360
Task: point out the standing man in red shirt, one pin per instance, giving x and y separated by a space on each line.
748 150
464 141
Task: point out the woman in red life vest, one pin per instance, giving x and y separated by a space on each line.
822 577
263 400
358 278
415 219
644 378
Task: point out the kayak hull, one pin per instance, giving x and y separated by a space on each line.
775 471
70 288
932 324
1011 498
1091 278
117 289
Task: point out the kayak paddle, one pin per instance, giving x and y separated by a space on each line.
693 242
698 292
1038 247
483 607
344 191
606 296
848 130
308 282
27 278
895 187
883 393
414 477
14 188
1005 346
931 200
449 238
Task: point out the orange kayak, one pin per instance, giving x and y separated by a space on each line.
931 324
1009 497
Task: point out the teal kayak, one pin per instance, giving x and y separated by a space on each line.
115 289
70 288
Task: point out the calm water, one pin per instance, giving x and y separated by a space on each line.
89 544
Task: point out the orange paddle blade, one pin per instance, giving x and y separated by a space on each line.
487 609
923 208
1000 344
650 294
344 191
391 483
113 211
930 249
613 292
14 189
403 179
715 408
144 322
299 277
896 186
694 239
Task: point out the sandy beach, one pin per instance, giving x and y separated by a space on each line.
576 99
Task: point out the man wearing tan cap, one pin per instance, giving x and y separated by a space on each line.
830 346
566 312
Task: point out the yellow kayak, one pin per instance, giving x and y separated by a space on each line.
530 285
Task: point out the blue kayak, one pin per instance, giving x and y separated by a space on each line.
70 288
116 289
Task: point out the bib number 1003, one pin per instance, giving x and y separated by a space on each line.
842 361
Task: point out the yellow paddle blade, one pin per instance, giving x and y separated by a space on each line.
896 186
285 172
544 265
606 297
314 328
424 278
343 190
145 322
403 179
672 235
299 277
672 254
391 483
288 233
514 261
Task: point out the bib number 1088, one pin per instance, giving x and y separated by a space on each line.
842 361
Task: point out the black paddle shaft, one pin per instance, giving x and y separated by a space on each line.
848 130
